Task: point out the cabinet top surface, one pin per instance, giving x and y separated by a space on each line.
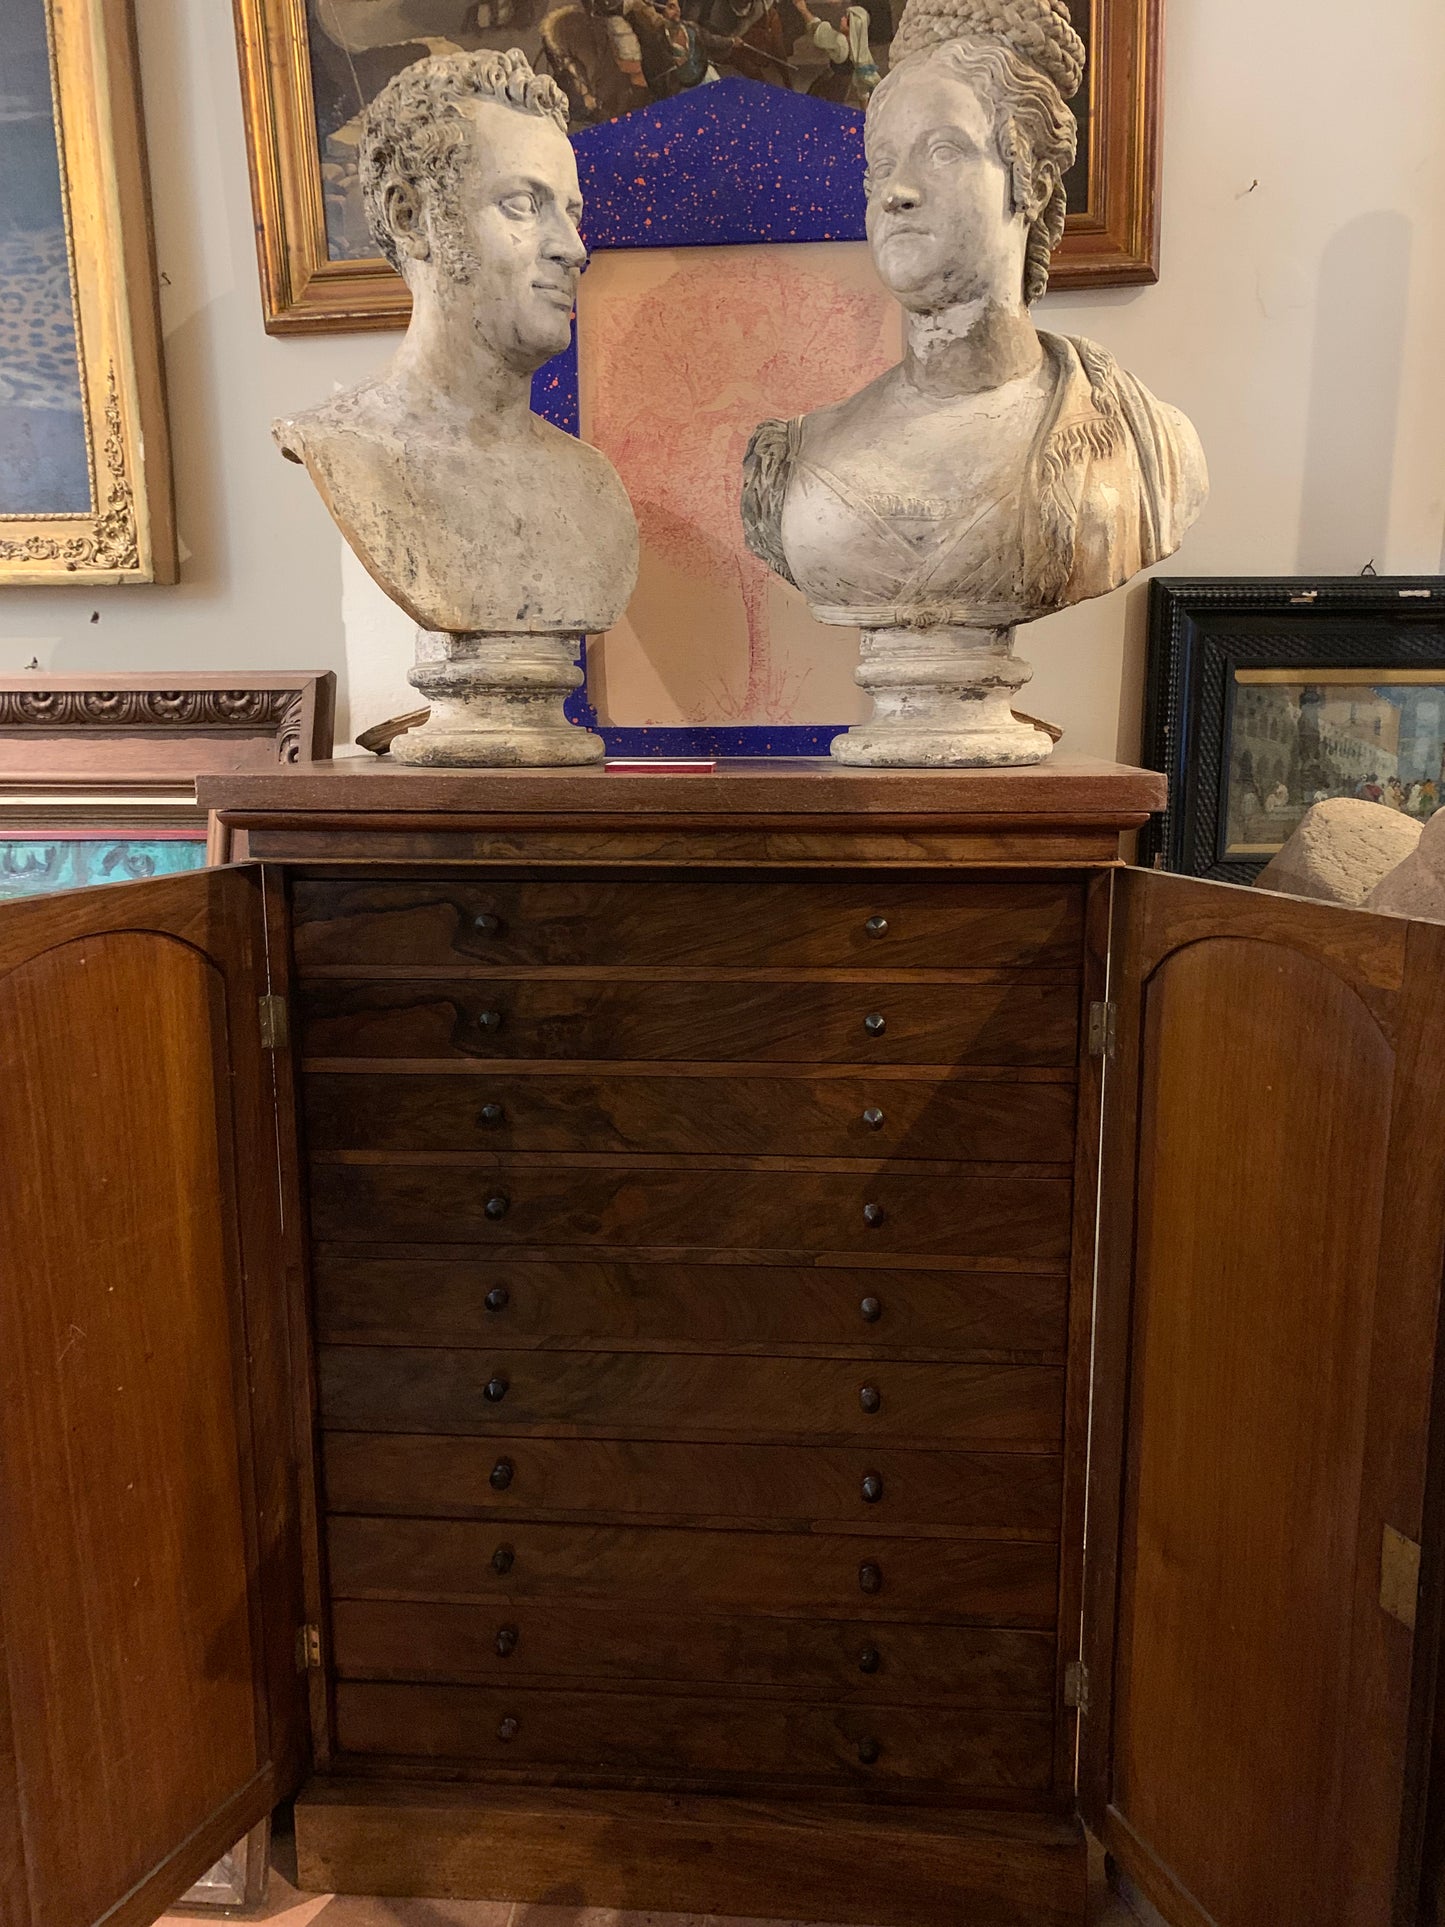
1063 787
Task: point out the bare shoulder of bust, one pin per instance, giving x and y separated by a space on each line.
308 433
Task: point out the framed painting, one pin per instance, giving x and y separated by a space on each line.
1266 696
310 67
85 484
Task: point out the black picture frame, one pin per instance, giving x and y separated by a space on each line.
1202 631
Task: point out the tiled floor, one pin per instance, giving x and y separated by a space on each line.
288 1908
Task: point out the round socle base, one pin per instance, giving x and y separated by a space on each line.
496 703
426 748
896 746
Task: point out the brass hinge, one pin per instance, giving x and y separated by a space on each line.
1076 1685
308 1648
1103 1023
274 1028
1399 1576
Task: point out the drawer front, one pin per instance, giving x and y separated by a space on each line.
621 1733
988 1120
873 1661
1007 1022
415 1297
1019 1220
681 1395
450 920
884 1490
828 1575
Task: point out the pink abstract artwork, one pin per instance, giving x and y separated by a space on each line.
683 353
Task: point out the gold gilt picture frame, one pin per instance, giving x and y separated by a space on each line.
85 481
308 68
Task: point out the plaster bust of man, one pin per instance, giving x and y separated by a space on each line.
479 518
996 474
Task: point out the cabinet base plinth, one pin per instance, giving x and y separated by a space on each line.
877 1867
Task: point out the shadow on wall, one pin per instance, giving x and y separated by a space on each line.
1354 401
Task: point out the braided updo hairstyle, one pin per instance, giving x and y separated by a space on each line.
1025 56
413 133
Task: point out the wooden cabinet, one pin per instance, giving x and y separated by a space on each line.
554 1316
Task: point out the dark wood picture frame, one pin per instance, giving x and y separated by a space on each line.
1202 631
1112 240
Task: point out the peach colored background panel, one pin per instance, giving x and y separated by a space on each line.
683 352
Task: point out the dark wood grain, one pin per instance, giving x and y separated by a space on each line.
1278 1413
979 1582
1008 1022
687 1395
993 1119
430 1295
619 1733
1023 1219
147 1529
1014 1494
632 1645
600 924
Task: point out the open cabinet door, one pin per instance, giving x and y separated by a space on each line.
150 1710
1260 1654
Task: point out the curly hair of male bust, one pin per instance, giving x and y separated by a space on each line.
1032 123
412 133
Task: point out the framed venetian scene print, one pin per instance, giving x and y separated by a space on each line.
1264 697
791 71
85 486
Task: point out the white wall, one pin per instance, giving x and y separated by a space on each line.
1297 321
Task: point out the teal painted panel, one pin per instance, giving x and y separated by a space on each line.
31 865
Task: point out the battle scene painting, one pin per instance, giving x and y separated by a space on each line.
1300 739
608 56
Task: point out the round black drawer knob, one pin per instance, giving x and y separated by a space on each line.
872 1310
506 1641
498 1298
497 1207
870 1577
869 1660
873 1118
877 926
489 1020
870 1398
508 1729
504 1471
491 1114
872 1486
875 1023
868 1752
503 1559
495 1389
486 924
874 1215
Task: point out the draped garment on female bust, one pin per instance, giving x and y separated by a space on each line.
1110 482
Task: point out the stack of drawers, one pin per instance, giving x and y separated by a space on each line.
691 1266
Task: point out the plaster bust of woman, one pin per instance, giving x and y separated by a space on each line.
996 474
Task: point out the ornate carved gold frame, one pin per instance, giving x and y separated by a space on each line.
129 534
1111 242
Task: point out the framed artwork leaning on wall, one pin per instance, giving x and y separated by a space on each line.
795 75
1266 695
85 483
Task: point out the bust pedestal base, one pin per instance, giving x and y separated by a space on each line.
942 699
496 703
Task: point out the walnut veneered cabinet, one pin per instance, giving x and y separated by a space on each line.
555 1317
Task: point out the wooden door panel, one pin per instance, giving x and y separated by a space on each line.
604 1734
829 1575
599 925
642 1395
978 1119
147 1523
1025 1221
423 1295
874 1661
759 1485
1271 1258
1007 1020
